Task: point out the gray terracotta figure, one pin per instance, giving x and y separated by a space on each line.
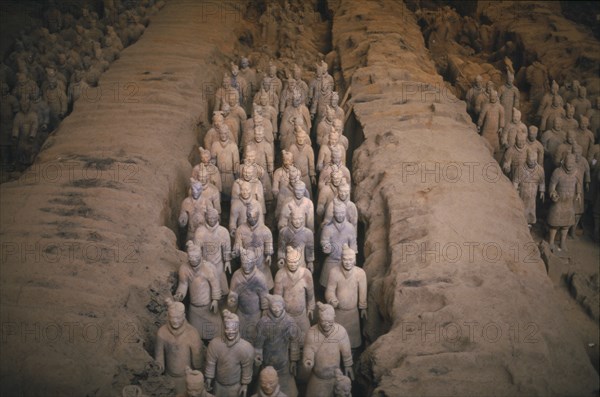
267 86
275 81
343 195
288 192
227 157
297 200
249 174
581 103
297 235
247 292
508 96
304 158
229 360
325 126
240 84
237 113
297 114
552 113
584 137
264 156
529 180
584 179
301 84
328 192
336 162
515 158
484 98
594 118
205 292
334 103
553 138
210 192
570 145
225 92
491 121
295 284
534 145
249 74
321 85
212 135
267 111
569 90
333 237
239 207
338 126
250 160
254 235
56 98
215 244
193 208
194 384
288 92
258 120
325 345
232 121
269 384
325 151
564 190
472 94
569 122
512 129
347 293
178 343
548 97
205 166
277 344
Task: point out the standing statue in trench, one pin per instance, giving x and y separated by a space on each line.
264 157
304 158
249 174
347 293
343 196
205 292
472 94
324 345
239 207
581 104
491 122
227 158
205 166
552 113
248 74
553 138
24 134
515 157
215 245
178 343
564 190
534 145
585 138
277 345
194 384
569 122
528 182
513 128
294 115
229 360
584 179
297 235
509 97
192 210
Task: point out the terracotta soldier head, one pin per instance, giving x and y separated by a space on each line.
520 141
299 189
292 258
194 254
245 190
478 81
268 381
197 188
532 134
516 115
194 382
175 314
326 317
287 158
343 385
231 329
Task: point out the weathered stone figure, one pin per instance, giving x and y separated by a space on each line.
298 200
569 122
247 293
514 127
333 237
509 97
304 158
225 92
264 156
194 384
205 166
212 135
215 245
205 293
534 145
227 158
585 138
553 138
178 343
581 104
343 196
229 360
295 284
297 114
249 174
269 384
328 193
324 343
277 344
325 126
192 210
249 74
552 113
584 179
528 182
347 293
267 111
297 235
491 121
515 158
325 151
548 98
570 145
472 94
254 235
335 163
239 207
564 189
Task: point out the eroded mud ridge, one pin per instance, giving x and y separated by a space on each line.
459 299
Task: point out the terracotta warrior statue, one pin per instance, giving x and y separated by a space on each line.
192 210
553 138
581 104
255 235
343 196
304 158
509 97
552 113
564 190
178 343
325 151
513 128
249 174
570 145
343 385
515 158
194 384
205 293
212 135
569 122
229 360
298 236
266 111
227 158
215 245
295 284
472 94
335 163
584 179
325 126
585 138
529 180
239 207
491 122
277 344
225 92
296 114
548 98
268 382
328 193
207 167
333 237
325 343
